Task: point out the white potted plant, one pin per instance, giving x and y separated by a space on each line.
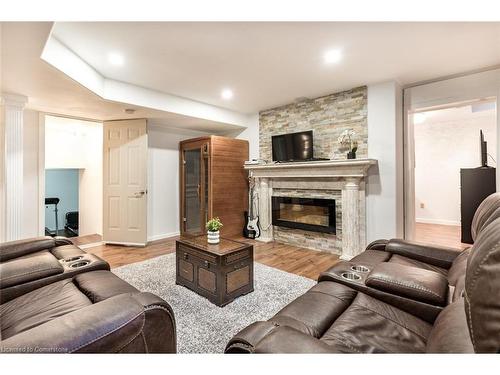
348 141
213 226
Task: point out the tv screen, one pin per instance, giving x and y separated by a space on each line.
293 146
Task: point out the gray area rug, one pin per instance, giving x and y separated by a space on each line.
203 327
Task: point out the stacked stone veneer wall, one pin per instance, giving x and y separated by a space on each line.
312 240
328 116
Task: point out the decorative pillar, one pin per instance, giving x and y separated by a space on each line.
265 209
12 175
350 219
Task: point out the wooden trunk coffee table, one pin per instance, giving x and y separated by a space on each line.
220 273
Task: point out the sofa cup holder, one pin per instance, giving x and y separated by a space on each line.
359 268
79 264
350 276
72 259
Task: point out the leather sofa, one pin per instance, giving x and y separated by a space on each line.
52 307
29 264
434 258
336 318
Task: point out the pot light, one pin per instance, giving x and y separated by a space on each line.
333 56
226 94
116 59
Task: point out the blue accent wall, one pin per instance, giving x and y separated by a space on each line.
62 184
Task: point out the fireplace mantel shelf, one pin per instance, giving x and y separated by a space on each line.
355 168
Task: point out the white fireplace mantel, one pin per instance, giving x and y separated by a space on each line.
345 175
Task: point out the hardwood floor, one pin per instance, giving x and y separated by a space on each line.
445 235
293 259
288 258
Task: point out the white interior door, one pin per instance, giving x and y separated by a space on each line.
125 182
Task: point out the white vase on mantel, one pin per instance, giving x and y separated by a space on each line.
213 237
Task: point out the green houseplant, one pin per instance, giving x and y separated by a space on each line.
213 227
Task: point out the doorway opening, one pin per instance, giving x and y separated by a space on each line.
449 171
73 178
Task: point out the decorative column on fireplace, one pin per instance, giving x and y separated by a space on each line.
320 183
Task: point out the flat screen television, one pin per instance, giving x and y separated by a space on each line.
484 149
293 146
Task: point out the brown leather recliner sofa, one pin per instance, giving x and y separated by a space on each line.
51 307
405 310
29 264
434 258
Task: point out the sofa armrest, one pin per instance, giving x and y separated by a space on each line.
269 337
289 340
118 324
436 255
377 245
414 283
61 241
14 249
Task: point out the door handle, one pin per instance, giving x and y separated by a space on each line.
140 193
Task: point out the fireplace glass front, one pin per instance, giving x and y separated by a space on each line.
312 214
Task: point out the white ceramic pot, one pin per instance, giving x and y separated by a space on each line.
213 237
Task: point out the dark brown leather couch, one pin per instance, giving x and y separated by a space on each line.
29 264
434 258
48 306
335 318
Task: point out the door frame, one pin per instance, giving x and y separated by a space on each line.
193 144
41 165
441 94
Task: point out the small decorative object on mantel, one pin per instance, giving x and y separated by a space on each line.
213 234
348 141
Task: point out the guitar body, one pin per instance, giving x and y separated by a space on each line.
247 233
253 225
251 228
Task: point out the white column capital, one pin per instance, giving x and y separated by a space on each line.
352 183
14 100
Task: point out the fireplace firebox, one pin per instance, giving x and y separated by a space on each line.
312 214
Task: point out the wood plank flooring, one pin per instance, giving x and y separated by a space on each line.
288 258
293 259
445 235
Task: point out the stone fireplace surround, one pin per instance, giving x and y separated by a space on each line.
344 179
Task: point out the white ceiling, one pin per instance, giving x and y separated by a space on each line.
270 64
48 90
266 64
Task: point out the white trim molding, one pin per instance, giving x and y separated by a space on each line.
12 136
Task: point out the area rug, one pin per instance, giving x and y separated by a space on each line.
203 327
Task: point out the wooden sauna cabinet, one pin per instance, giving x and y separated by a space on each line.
213 183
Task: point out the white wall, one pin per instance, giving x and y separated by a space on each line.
250 134
446 141
31 205
384 190
71 143
163 179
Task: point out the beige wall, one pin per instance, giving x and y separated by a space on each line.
446 141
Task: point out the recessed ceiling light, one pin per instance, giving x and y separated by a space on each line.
333 56
226 94
116 59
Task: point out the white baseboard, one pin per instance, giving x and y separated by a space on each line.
437 221
162 236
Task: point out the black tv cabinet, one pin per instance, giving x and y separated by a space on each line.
475 185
